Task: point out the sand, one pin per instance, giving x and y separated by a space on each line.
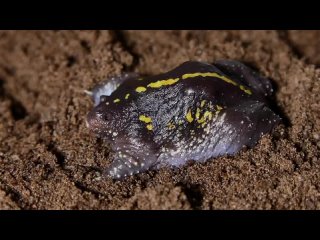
50 160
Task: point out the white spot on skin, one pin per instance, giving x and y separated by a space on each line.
190 91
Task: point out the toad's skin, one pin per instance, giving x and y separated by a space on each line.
197 111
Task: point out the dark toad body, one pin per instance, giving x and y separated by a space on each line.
197 111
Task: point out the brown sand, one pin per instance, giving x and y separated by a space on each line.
306 44
49 160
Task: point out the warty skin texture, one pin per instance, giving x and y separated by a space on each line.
197 111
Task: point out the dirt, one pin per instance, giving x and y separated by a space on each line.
50 160
306 44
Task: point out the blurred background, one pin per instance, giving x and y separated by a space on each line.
306 44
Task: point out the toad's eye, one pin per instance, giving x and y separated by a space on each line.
103 98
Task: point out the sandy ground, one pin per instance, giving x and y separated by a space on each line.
50 160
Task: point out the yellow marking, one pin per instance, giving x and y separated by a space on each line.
198 113
207 114
145 119
203 102
219 108
161 83
171 81
140 79
140 89
180 122
210 74
116 100
247 91
127 96
202 120
189 116
171 126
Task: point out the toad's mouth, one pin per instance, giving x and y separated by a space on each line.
95 121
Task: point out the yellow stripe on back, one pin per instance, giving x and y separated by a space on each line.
213 74
171 81
209 74
243 88
161 83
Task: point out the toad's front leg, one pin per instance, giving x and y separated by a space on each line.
131 158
